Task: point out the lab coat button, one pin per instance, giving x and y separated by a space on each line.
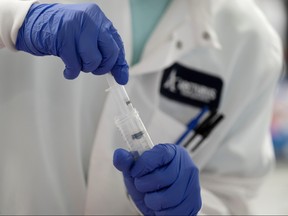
179 44
206 35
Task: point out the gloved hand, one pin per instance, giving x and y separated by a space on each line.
79 34
162 181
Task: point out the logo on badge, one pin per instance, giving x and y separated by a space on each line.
191 87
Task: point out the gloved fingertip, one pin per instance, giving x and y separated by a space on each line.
121 74
122 160
68 74
166 151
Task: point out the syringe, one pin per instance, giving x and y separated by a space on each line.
128 121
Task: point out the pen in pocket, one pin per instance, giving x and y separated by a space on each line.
191 126
199 128
205 133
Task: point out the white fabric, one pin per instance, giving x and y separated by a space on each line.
12 14
276 14
54 133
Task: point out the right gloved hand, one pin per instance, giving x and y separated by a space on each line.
162 181
79 34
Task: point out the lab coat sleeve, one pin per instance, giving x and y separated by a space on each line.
12 15
244 155
249 151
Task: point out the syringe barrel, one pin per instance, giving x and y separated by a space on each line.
134 133
128 120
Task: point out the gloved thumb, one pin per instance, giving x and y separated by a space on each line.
123 160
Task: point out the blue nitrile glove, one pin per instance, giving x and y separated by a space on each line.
162 181
80 34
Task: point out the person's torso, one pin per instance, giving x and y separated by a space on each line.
49 125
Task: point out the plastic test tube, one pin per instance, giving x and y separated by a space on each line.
128 121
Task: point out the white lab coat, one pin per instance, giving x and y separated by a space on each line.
54 133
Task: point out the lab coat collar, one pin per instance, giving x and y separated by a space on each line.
185 26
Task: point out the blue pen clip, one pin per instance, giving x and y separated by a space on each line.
192 124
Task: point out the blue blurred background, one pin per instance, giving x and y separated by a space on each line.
279 127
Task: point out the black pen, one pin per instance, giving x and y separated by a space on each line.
200 127
205 133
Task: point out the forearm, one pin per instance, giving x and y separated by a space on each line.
12 15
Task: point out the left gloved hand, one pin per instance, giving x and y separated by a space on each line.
163 180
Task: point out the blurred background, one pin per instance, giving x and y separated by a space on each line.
273 199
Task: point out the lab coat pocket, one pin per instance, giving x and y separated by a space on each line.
164 129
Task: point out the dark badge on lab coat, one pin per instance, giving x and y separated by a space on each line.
192 87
